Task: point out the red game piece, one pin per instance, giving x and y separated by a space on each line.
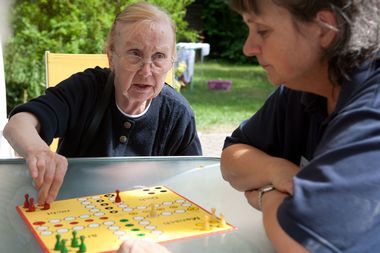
117 198
32 208
26 202
46 206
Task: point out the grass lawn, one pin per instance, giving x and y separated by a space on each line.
223 111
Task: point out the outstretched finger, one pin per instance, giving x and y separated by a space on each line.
47 181
42 165
32 167
60 172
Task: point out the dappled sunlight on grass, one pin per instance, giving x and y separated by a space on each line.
226 109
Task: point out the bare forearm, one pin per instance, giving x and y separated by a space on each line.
247 168
22 134
47 168
281 241
244 167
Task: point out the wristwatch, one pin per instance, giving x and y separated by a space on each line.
262 191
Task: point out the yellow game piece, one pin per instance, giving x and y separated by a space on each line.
153 212
213 217
222 221
207 223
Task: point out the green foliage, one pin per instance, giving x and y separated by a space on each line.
177 10
223 111
225 31
66 26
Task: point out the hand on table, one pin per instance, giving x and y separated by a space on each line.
47 169
253 197
281 178
141 246
282 175
247 168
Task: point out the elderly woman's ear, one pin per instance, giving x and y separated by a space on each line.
110 59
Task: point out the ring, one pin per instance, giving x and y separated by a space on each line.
262 191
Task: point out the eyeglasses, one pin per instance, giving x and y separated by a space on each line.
133 60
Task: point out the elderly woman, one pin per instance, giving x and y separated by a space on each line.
143 116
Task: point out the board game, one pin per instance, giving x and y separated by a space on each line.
99 223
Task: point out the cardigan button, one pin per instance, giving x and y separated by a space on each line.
123 139
127 124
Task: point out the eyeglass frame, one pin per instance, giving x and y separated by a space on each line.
141 63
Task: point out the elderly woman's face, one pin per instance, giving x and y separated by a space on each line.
142 56
289 54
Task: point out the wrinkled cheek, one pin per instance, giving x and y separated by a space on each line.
124 82
159 85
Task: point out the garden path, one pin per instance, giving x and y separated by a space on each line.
212 143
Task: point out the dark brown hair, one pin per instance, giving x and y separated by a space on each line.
357 23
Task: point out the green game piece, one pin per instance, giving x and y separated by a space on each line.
74 240
58 242
63 246
82 246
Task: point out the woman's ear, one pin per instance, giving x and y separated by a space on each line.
326 20
110 59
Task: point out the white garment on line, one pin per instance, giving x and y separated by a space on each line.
186 54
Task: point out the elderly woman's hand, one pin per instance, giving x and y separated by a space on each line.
47 169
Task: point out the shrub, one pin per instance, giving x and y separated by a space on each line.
225 30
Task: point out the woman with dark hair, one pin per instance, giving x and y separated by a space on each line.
309 158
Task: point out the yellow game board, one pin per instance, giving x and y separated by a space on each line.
155 213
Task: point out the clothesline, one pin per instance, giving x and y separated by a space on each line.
204 47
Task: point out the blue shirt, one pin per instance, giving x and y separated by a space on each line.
65 111
336 201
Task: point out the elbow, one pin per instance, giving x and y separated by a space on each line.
229 169
7 130
228 164
231 178
224 167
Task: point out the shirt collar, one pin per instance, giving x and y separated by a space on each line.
359 79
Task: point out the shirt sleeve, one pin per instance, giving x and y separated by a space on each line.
186 141
190 144
270 128
335 205
62 106
260 129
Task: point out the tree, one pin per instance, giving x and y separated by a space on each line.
225 30
70 26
